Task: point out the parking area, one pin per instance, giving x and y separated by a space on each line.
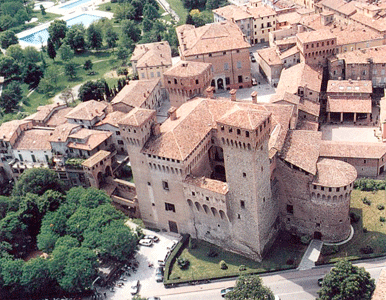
147 261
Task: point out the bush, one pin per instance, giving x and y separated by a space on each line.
380 206
367 250
192 243
242 268
366 201
223 265
382 219
108 7
212 253
330 250
364 230
290 261
183 263
354 218
122 71
305 239
367 184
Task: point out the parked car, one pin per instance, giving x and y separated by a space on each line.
134 287
320 281
152 237
146 242
163 258
172 245
226 291
253 59
159 274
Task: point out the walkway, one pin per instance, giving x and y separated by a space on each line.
311 256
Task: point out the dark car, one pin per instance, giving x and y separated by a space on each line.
159 274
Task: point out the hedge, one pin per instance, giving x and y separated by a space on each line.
173 255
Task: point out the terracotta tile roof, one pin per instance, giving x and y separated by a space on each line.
137 116
301 149
378 24
352 149
214 37
315 36
310 107
299 75
90 139
152 54
111 118
33 139
380 289
334 173
44 111
349 86
270 56
347 105
208 184
376 54
62 132
341 6
287 97
291 18
187 68
262 11
196 118
307 125
58 117
96 158
350 34
286 41
233 12
87 110
291 51
136 92
8 129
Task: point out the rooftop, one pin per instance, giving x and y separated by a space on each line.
96 158
58 117
8 129
62 132
88 139
34 139
352 149
348 105
87 110
137 116
112 119
208 184
334 173
315 36
187 68
364 56
349 86
270 56
152 54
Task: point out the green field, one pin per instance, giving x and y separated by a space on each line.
375 237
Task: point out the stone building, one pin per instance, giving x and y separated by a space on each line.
225 172
150 61
224 46
186 80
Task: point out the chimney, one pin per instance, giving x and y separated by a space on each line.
300 28
339 78
254 97
233 94
172 113
210 92
156 129
358 78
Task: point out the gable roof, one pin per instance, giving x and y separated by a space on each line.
87 110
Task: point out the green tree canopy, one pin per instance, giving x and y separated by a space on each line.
10 97
347 282
32 73
37 181
9 67
250 287
16 52
94 37
92 90
131 29
51 49
75 37
8 38
57 31
65 52
70 69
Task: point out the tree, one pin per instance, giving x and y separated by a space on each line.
250 287
51 49
94 37
11 272
67 96
36 276
212 4
57 31
65 52
8 38
16 52
37 181
31 54
10 97
9 67
75 37
130 29
46 86
70 70
111 37
92 90
93 197
347 282
43 10
122 53
32 73
150 12
189 19
88 65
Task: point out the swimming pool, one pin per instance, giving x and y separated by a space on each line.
74 4
41 36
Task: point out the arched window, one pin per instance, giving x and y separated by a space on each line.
198 206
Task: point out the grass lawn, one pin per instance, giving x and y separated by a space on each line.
285 248
109 7
179 8
375 236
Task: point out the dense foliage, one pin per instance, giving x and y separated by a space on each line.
347 282
250 287
76 231
367 184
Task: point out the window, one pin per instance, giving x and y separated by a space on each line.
170 207
151 74
210 54
244 175
175 81
239 65
158 74
226 66
364 161
196 81
242 203
290 209
238 131
117 132
224 53
165 185
148 183
240 77
143 75
120 142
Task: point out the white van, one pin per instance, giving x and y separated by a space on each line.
163 258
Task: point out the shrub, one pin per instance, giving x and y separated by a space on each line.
382 219
290 261
366 184
354 218
330 250
305 239
364 230
223 265
366 250
192 243
122 71
183 263
380 206
212 253
242 268
366 201
108 7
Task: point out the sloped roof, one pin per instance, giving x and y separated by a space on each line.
137 116
334 173
152 54
187 68
87 110
352 149
33 139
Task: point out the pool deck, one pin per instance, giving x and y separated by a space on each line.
70 15
91 5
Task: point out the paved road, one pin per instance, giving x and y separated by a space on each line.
290 285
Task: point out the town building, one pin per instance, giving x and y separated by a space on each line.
150 61
221 44
187 79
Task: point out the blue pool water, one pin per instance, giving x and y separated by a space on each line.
74 4
41 36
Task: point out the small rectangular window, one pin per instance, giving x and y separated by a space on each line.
165 185
242 203
170 207
290 209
